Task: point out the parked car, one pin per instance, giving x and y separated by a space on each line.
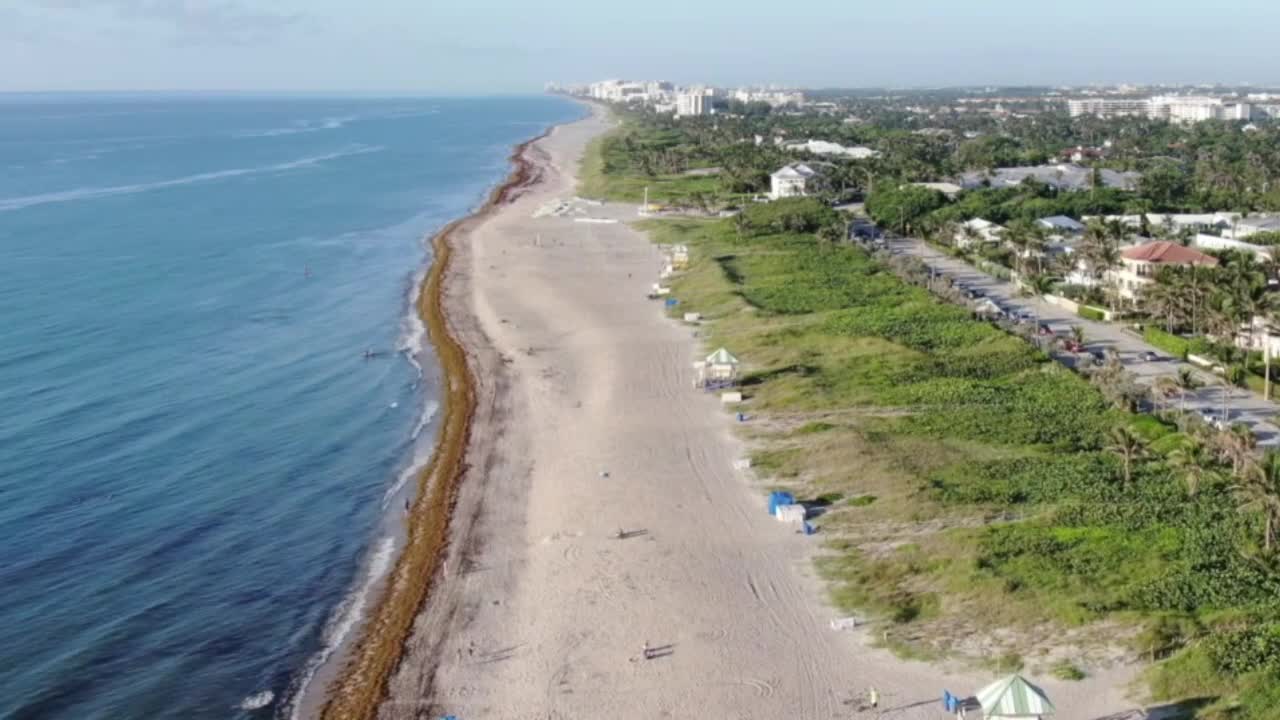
1073 346
1044 329
1099 357
1149 356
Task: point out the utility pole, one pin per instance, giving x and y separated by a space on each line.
1266 363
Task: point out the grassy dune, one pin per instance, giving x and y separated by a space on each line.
965 478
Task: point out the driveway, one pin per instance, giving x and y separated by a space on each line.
1243 406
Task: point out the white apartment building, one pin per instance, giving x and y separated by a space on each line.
692 104
646 91
775 98
1174 108
1109 107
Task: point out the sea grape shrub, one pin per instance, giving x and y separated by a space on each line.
1031 408
1027 480
789 215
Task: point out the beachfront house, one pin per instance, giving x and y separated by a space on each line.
1140 264
1060 177
976 233
1246 226
951 190
794 180
830 149
1061 225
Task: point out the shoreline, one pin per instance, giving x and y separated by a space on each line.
360 685
581 423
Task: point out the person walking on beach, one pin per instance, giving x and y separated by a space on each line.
873 697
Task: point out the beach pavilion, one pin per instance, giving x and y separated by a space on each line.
720 368
1014 697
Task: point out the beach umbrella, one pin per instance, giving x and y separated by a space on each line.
1013 697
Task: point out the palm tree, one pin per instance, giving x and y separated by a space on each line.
1235 445
1187 382
1194 463
1018 236
1128 446
1160 300
832 233
1260 489
1077 334
1162 389
741 224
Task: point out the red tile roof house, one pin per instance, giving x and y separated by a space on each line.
1140 263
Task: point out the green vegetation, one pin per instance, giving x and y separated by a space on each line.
1089 313
1176 346
989 487
609 170
959 419
1065 670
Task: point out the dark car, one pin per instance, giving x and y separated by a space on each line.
1044 329
1149 356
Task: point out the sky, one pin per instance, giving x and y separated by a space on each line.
471 47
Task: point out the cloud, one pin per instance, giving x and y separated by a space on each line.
193 21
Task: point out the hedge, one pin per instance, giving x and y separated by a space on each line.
1168 342
1089 313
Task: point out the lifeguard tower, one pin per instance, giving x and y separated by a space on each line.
719 370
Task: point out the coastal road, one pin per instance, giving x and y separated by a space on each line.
1243 406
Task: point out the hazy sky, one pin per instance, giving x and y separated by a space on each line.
492 46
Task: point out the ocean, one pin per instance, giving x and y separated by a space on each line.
200 469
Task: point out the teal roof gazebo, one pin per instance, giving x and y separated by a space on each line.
1013 697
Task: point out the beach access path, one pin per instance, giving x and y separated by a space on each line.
587 423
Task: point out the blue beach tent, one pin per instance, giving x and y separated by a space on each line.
777 497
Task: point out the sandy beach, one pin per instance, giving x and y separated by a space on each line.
585 424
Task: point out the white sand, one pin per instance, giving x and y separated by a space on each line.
544 613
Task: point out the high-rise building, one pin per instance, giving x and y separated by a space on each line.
693 103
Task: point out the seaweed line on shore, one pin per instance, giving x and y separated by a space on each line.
361 686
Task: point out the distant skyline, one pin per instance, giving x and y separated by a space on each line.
514 46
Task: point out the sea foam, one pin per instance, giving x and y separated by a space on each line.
347 617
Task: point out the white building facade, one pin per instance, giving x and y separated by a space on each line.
693 104
794 180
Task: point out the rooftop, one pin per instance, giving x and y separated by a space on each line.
1062 176
795 170
1163 251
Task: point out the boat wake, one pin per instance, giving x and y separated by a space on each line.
26 201
305 126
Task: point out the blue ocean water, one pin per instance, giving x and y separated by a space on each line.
197 463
